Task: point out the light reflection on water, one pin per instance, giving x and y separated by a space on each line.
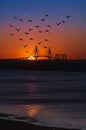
47 114
56 98
33 110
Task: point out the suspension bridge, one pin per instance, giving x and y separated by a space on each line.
49 55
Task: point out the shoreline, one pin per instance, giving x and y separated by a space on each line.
19 125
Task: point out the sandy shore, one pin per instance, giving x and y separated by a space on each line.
18 125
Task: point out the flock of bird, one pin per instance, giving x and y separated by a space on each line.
31 27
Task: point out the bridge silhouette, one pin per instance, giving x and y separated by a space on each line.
49 55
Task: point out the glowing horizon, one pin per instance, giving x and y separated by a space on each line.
67 38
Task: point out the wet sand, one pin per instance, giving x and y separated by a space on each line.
18 125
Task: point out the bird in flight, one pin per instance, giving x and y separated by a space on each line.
49 26
63 21
58 24
37 26
68 16
21 39
45 46
39 42
46 15
26 33
25 45
42 20
18 29
47 31
30 20
15 17
46 40
30 29
21 20
11 25
27 51
30 38
40 31
11 34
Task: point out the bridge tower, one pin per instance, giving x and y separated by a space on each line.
36 52
49 53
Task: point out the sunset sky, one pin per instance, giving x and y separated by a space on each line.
68 37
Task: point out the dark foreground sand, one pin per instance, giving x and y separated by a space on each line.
17 125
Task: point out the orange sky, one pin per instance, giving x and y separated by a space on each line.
69 40
69 37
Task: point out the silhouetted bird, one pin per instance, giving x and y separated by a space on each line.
30 20
21 20
68 16
26 33
49 26
11 25
11 34
39 42
18 29
27 51
40 31
15 17
37 26
25 45
46 15
63 21
58 24
46 40
45 46
30 29
42 19
30 38
21 39
47 31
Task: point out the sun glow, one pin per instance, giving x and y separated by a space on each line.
31 58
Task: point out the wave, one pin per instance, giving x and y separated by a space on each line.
32 123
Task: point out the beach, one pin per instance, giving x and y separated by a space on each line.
12 125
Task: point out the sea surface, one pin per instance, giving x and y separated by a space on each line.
48 98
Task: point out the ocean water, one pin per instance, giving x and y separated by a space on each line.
48 98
